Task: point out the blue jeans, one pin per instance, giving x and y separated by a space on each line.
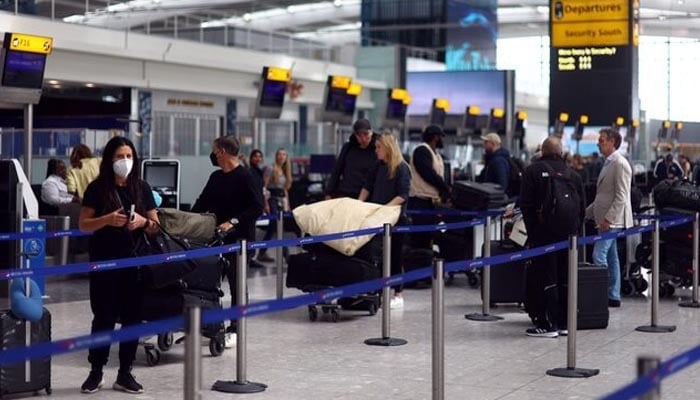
605 253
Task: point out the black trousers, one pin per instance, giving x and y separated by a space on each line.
115 296
423 240
547 289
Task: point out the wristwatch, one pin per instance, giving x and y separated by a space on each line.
233 221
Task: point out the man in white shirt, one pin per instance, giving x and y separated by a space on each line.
53 190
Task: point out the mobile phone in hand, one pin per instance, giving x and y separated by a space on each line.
131 213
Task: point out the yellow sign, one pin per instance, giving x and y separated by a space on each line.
583 119
355 89
564 117
563 11
473 110
521 115
278 74
30 43
407 100
498 112
609 33
442 104
619 121
340 82
398 94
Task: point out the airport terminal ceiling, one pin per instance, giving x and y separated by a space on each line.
336 20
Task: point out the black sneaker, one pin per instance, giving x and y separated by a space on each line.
127 383
542 332
93 383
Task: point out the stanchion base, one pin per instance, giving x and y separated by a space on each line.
656 328
389 341
689 304
572 372
238 387
482 317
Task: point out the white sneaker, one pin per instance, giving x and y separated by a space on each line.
230 340
396 303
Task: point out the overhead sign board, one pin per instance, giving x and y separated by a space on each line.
599 33
28 43
563 11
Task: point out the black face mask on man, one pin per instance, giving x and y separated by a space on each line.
212 158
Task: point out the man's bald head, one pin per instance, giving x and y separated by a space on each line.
552 146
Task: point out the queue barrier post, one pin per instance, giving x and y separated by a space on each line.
655 258
386 339
485 314
279 254
241 384
646 364
571 371
438 336
193 352
694 303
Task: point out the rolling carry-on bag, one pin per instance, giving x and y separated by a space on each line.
508 279
592 296
327 269
25 377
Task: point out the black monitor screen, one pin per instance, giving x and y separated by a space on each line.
272 94
24 70
321 163
395 109
437 116
161 175
335 101
349 104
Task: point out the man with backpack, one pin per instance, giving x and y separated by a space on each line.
552 201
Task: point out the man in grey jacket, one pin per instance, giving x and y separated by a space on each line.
611 210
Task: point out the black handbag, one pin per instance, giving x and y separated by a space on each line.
167 273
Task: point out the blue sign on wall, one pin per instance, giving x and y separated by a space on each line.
34 249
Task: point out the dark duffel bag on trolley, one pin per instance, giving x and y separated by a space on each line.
326 269
13 377
467 195
592 296
677 194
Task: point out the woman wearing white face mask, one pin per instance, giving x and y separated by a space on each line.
116 294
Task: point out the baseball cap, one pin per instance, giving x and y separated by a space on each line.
432 130
361 125
492 137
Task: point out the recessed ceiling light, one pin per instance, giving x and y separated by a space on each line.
53 82
662 18
681 2
89 85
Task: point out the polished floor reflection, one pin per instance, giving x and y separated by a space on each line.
299 359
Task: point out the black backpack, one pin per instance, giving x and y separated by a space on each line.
516 167
561 208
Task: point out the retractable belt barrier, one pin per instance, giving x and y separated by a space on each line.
41 350
652 379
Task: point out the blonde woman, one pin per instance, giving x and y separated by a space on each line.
388 183
278 185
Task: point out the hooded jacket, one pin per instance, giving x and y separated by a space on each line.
351 168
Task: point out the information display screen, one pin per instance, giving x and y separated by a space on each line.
161 176
396 109
23 70
272 94
349 104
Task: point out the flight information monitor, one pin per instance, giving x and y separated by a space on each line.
23 61
593 59
271 92
23 70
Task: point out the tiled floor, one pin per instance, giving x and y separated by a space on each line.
300 359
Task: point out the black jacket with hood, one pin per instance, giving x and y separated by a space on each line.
351 168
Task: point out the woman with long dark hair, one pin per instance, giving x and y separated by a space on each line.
115 295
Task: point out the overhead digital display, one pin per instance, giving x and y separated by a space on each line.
272 94
23 70
593 59
462 88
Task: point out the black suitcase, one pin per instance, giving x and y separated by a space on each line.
508 279
592 296
468 195
416 259
325 269
13 376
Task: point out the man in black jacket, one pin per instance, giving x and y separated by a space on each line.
356 158
548 275
233 195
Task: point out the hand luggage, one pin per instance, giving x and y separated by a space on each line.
677 194
592 296
13 377
508 279
468 195
327 269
